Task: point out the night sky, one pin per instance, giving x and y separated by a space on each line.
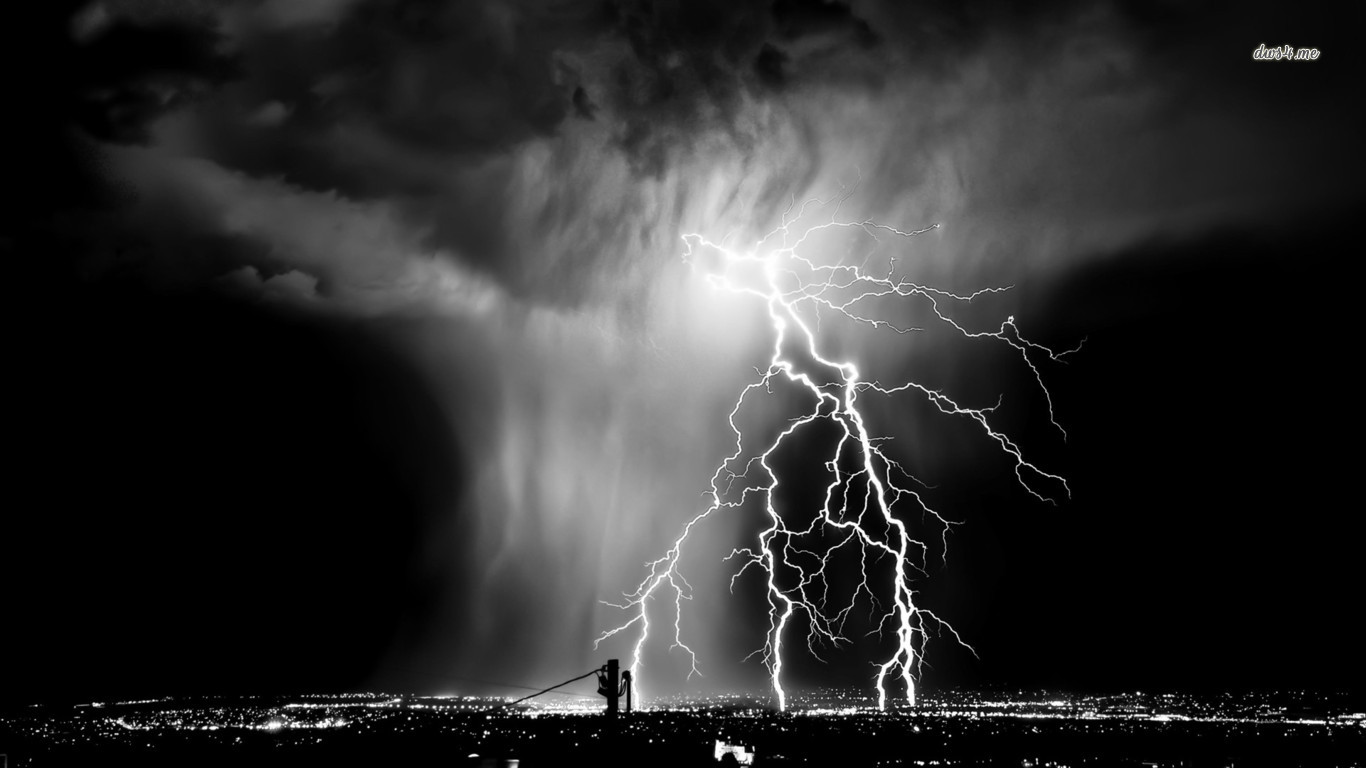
351 348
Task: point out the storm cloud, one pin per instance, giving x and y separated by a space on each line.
498 190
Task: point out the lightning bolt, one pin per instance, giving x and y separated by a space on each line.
860 508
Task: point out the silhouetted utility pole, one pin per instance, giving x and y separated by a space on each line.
609 685
612 683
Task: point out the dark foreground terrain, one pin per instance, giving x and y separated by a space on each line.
957 729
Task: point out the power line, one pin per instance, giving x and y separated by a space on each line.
551 688
507 685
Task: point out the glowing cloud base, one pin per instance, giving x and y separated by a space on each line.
861 512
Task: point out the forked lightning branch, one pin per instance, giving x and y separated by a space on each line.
863 523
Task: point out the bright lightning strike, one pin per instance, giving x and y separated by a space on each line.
861 510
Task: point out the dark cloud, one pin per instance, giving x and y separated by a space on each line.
378 102
133 73
798 18
768 65
696 67
431 108
583 105
516 177
405 101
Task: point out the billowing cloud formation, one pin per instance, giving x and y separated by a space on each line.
469 124
516 176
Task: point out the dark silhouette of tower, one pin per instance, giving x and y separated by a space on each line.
613 683
609 685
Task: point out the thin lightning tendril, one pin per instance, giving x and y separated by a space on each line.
795 576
